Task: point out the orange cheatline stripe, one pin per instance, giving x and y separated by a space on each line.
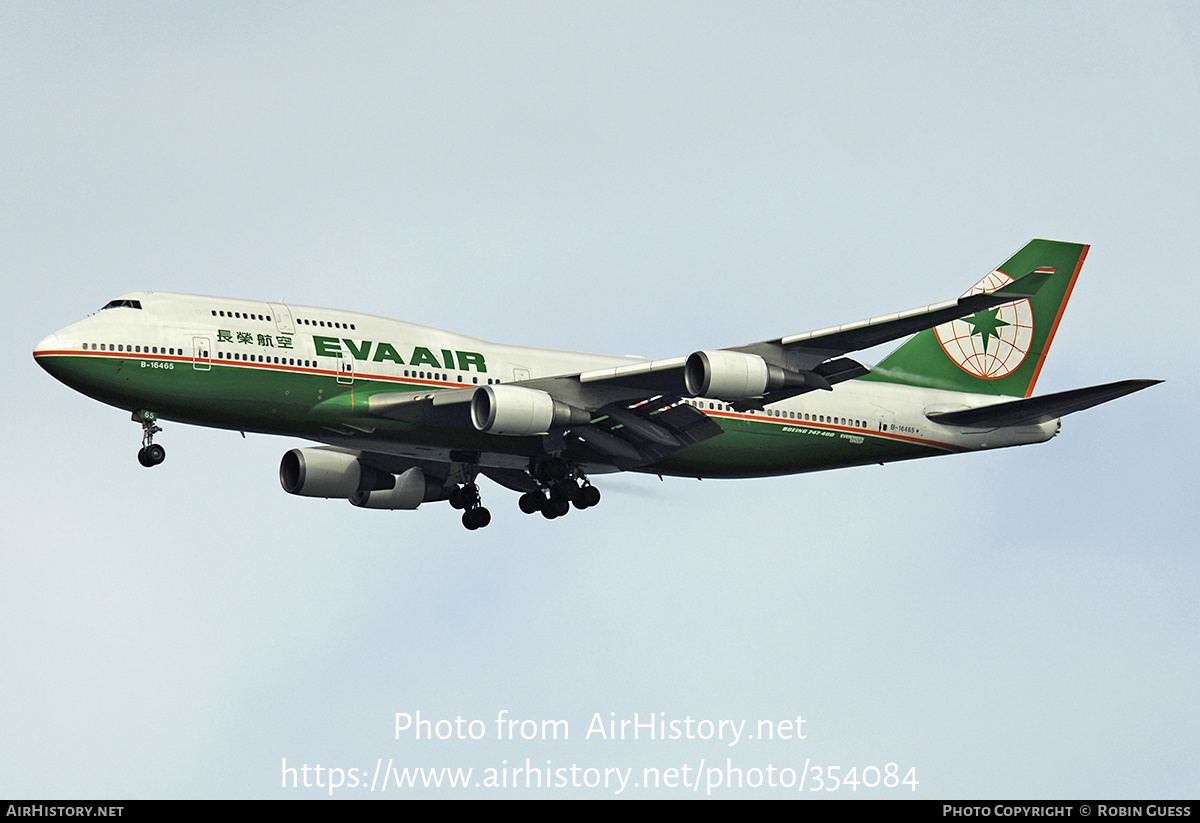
920 441
423 382
246 364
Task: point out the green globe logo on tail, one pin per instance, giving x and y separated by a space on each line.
991 343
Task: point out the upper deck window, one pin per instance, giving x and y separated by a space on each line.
123 304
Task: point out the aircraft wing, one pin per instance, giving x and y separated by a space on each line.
803 362
803 351
443 408
632 415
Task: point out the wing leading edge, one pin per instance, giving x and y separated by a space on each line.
812 360
632 415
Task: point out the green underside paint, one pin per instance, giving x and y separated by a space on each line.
255 398
294 402
757 448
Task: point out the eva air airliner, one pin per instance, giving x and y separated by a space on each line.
409 414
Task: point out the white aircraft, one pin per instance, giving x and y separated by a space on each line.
411 414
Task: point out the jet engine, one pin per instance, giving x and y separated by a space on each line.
328 473
732 375
725 374
500 409
335 474
411 490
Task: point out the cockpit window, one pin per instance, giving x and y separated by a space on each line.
123 304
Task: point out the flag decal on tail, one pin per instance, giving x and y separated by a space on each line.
993 343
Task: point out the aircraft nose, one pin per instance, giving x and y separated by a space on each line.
48 343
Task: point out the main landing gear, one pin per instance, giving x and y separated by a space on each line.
466 497
562 485
150 454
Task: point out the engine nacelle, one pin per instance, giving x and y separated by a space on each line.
328 473
500 409
733 375
411 490
726 374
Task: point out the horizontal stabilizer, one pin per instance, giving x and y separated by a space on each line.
1034 410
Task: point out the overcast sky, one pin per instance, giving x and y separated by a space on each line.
630 178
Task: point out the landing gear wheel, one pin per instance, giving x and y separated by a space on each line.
466 497
476 518
561 485
154 454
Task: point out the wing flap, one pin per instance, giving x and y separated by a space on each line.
632 435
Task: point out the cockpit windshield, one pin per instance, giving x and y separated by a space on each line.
123 304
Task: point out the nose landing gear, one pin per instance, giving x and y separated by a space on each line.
150 454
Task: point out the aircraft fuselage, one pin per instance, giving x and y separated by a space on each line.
310 373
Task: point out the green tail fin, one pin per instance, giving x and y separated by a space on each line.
996 351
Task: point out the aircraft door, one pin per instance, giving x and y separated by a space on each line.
201 355
884 419
283 318
345 375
